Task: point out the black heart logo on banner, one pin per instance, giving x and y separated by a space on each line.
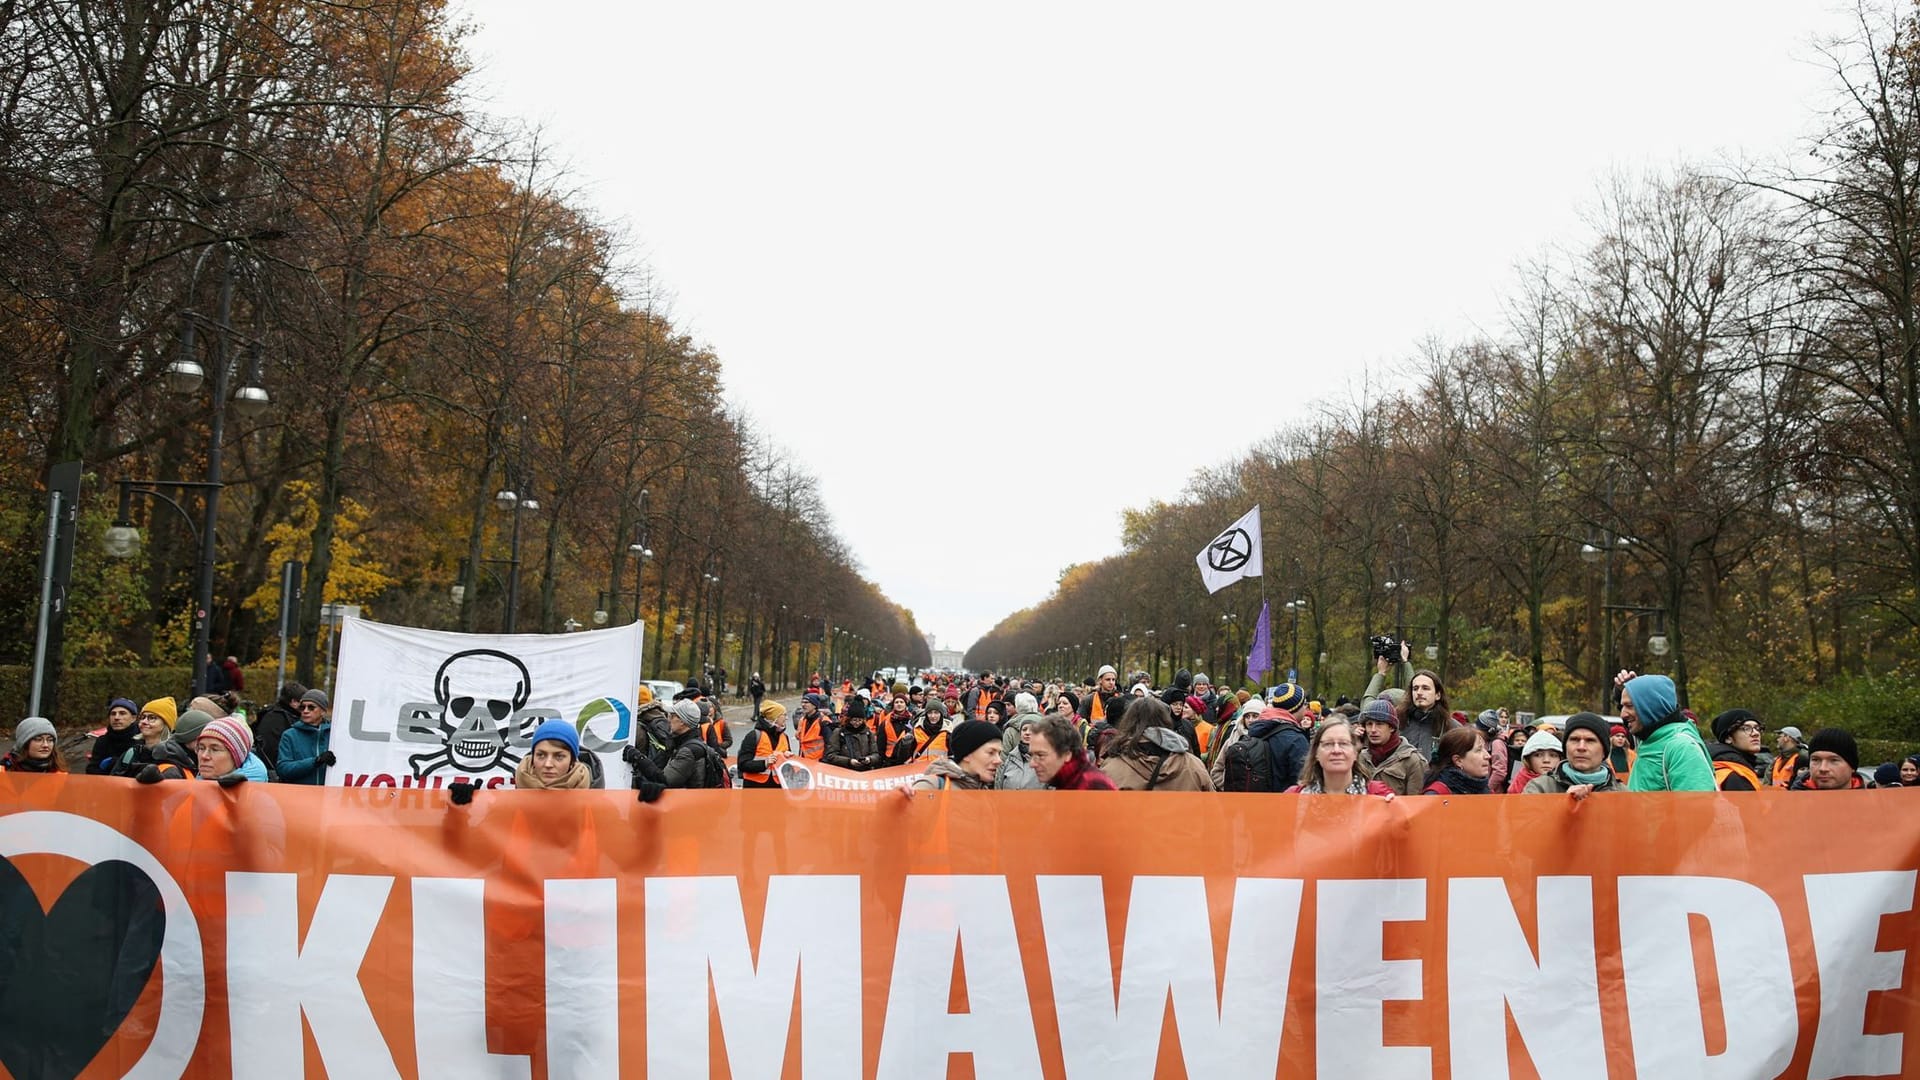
69 976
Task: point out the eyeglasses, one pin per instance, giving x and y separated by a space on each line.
1749 729
308 706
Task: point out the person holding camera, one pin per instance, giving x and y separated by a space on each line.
1424 714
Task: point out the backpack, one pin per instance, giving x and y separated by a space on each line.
1250 765
715 774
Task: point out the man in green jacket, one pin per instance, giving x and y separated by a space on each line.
1673 756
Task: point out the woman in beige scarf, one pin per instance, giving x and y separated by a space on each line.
553 762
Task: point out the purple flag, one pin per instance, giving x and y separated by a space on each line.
1260 657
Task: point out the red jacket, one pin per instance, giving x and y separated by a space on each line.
1080 774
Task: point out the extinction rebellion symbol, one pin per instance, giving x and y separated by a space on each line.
1230 551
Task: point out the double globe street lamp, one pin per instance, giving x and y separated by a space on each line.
249 402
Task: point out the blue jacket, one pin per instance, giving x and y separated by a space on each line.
300 745
252 768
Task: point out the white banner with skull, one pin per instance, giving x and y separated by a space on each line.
427 708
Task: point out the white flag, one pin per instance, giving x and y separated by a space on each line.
1232 555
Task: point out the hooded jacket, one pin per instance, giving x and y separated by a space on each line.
1158 761
1672 755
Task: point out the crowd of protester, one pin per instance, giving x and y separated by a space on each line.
1402 737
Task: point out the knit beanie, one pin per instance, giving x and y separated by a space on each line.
231 734
1541 740
1724 724
192 722
1380 710
773 712
1251 709
1106 670
318 697
165 709
28 730
1287 696
555 730
1197 705
123 703
1835 741
1489 721
1588 722
688 712
967 737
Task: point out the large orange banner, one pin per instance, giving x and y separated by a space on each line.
185 929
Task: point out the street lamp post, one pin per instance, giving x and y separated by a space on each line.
184 376
513 502
1295 606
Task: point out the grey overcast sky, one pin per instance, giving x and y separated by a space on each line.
1086 248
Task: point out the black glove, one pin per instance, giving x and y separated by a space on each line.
757 765
650 791
148 775
326 758
232 779
631 755
461 794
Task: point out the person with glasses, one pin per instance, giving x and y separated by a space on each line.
1736 751
304 756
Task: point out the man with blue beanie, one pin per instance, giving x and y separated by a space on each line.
1673 756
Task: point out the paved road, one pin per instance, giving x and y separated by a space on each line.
740 711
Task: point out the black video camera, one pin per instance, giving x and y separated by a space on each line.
1386 647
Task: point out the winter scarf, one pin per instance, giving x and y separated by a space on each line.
1598 776
575 779
1458 782
1357 787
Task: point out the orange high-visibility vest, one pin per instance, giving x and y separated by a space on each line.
1724 769
813 742
1784 767
1098 711
765 748
934 747
890 733
1203 733
982 700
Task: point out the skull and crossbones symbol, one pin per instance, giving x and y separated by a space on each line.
479 692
